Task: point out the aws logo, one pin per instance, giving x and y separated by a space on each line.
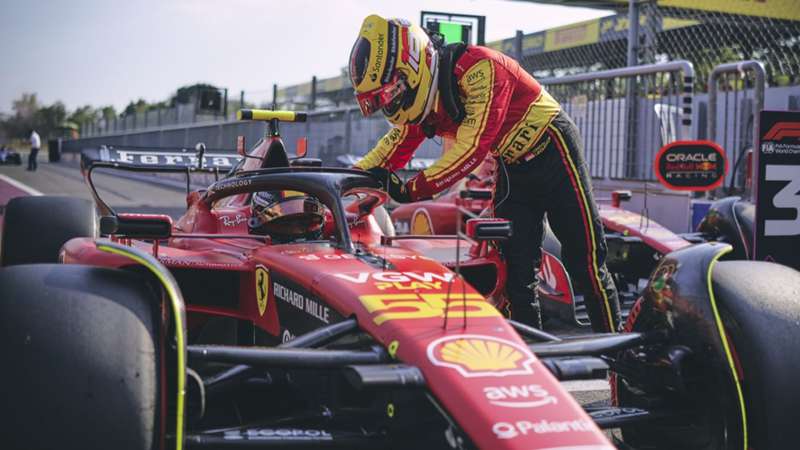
474 355
519 396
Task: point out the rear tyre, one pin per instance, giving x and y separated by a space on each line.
82 358
35 228
760 309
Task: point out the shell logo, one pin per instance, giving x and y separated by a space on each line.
421 223
475 355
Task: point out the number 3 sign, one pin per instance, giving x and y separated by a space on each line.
778 188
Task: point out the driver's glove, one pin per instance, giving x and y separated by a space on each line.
391 184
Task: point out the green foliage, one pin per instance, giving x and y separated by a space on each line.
185 94
30 115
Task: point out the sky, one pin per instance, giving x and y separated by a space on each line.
101 52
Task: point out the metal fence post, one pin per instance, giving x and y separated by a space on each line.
518 45
760 78
633 32
274 97
225 106
348 121
313 104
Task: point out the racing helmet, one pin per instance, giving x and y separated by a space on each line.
393 68
286 215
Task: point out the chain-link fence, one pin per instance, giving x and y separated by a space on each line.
625 115
703 35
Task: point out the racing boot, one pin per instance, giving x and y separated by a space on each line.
525 307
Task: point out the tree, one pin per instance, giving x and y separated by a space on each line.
48 119
108 112
20 124
83 115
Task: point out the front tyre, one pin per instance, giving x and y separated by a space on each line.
35 228
82 358
759 307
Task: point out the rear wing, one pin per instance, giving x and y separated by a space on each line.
144 159
159 159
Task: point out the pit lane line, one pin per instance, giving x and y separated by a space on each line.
19 185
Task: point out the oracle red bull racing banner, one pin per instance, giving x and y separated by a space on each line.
691 165
777 190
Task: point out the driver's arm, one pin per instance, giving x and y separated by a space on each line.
393 150
487 91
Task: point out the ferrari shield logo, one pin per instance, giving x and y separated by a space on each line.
480 356
262 288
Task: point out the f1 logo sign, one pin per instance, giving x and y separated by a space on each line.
783 130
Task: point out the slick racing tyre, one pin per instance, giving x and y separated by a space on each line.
35 228
82 359
759 305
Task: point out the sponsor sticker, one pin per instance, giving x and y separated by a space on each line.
304 303
691 165
421 223
262 288
180 262
233 221
287 336
473 355
278 434
519 396
150 158
510 430
391 280
386 307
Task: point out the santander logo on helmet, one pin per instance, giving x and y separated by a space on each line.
394 69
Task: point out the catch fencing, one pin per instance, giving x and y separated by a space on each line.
626 115
706 32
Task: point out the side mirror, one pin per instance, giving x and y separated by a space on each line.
152 226
484 229
617 197
302 147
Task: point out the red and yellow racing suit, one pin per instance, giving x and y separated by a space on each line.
506 112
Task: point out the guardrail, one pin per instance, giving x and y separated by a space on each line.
625 115
742 86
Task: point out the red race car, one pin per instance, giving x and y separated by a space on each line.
242 325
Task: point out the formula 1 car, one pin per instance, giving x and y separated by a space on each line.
9 157
203 334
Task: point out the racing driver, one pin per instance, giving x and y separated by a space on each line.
483 104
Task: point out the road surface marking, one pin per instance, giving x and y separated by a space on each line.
21 186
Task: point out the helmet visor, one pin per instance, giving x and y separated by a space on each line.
379 98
